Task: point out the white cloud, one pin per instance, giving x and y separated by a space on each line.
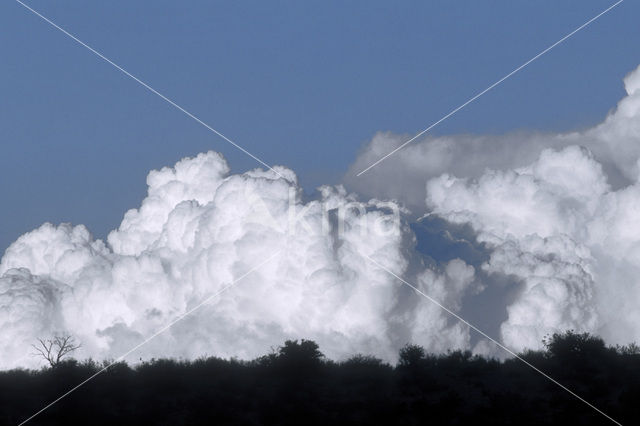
559 229
448 288
198 230
401 176
558 212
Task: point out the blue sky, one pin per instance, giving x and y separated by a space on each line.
304 84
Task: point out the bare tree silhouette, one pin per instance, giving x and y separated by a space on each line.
54 350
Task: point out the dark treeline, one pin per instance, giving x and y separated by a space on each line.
296 385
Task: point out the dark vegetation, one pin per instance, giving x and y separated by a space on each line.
296 385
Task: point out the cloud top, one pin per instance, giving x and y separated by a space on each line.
200 229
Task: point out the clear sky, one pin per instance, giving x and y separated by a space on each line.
304 84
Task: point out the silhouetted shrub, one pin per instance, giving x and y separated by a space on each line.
572 346
302 354
411 355
297 385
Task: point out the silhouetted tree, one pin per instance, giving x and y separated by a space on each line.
572 346
296 385
303 354
411 355
54 350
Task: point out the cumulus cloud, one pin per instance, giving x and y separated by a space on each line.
544 226
559 227
200 229
448 288
402 175
556 214
551 220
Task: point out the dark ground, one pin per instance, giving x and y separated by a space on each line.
297 386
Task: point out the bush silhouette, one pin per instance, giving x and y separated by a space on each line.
300 355
297 385
411 356
572 346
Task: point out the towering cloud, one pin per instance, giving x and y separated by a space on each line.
553 219
559 214
200 230
535 219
